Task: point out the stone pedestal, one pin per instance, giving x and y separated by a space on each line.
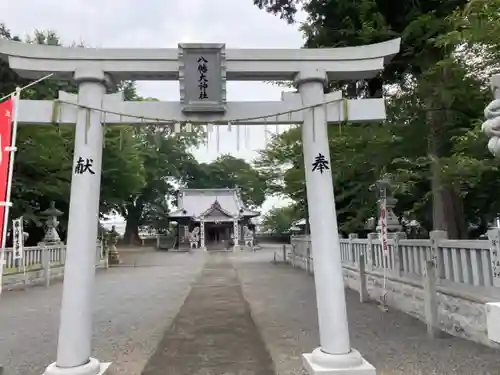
319 363
113 255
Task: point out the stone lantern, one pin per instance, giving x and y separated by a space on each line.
112 239
370 223
384 188
51 223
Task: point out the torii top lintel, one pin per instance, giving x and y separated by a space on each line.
35 61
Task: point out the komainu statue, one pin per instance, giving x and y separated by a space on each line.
248 237
194 238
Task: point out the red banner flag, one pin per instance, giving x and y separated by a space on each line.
6 109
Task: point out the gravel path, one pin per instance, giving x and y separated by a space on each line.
282 301
133 307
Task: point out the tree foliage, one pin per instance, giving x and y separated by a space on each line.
229 172
165 158
436 90
279 220
138 163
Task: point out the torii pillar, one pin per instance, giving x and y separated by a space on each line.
312 68
335 355
75 327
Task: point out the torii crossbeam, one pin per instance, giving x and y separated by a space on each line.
41 112
202 71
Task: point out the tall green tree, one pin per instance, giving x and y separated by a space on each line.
43 163
358 156
280 219
229 172
166 161
426 68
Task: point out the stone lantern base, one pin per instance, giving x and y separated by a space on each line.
113 255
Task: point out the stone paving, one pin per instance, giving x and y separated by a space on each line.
136 306
214 332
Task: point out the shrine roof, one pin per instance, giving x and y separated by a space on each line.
195 203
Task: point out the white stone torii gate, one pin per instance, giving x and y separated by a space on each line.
202 70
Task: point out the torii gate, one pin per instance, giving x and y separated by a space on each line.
202 70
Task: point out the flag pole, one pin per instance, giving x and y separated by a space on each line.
16 98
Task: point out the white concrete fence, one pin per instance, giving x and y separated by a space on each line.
42 264
466 275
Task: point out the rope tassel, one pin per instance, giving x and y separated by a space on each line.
218 138
238 130
55 112
189 126
233 121
87 124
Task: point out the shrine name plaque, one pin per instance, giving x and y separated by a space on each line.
202 77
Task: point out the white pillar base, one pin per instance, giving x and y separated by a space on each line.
93 367
236 247
320 363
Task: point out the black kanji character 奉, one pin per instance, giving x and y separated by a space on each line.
320 163
83 166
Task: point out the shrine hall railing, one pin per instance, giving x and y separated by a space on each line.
469 262
36 257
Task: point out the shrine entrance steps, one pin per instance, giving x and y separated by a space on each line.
218 246
214 332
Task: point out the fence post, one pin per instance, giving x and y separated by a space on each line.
494 238
45 264
369 250
284 253
100 253
352 252
398 255
430 300
363 292
435 256
97 253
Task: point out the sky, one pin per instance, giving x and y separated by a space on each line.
163 24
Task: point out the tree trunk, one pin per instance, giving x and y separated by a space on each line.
131 236
455 220
438 205
447 205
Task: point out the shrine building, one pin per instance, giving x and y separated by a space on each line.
219 214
